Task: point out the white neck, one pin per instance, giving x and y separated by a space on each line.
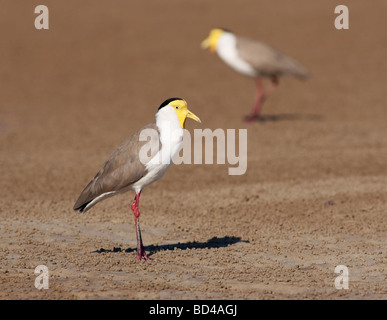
227 51
171 132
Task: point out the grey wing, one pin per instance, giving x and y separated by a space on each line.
267 60
121 170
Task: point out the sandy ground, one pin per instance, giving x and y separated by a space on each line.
315 192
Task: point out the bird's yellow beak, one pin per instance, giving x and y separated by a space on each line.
184 114
207 44
181 109
193 116
212 40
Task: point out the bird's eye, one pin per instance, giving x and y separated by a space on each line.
176 107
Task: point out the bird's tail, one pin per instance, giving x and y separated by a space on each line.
80 208
298 70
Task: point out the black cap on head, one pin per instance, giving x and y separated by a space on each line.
166 102
225 30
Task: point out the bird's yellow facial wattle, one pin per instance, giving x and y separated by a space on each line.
181 109
212 40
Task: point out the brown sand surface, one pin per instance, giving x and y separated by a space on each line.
315 192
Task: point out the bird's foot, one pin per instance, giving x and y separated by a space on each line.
141 254
253 117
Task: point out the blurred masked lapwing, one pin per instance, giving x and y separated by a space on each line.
254 59
127 170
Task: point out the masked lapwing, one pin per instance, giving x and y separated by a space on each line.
253 59
134 165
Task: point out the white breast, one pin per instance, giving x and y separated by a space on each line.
171 136
226 49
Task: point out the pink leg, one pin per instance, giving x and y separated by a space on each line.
136 212
261 96
273 85
258 101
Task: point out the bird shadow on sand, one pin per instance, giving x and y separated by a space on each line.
288 117
212 243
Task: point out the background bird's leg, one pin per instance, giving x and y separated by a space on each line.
273 85
136 212
259 98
